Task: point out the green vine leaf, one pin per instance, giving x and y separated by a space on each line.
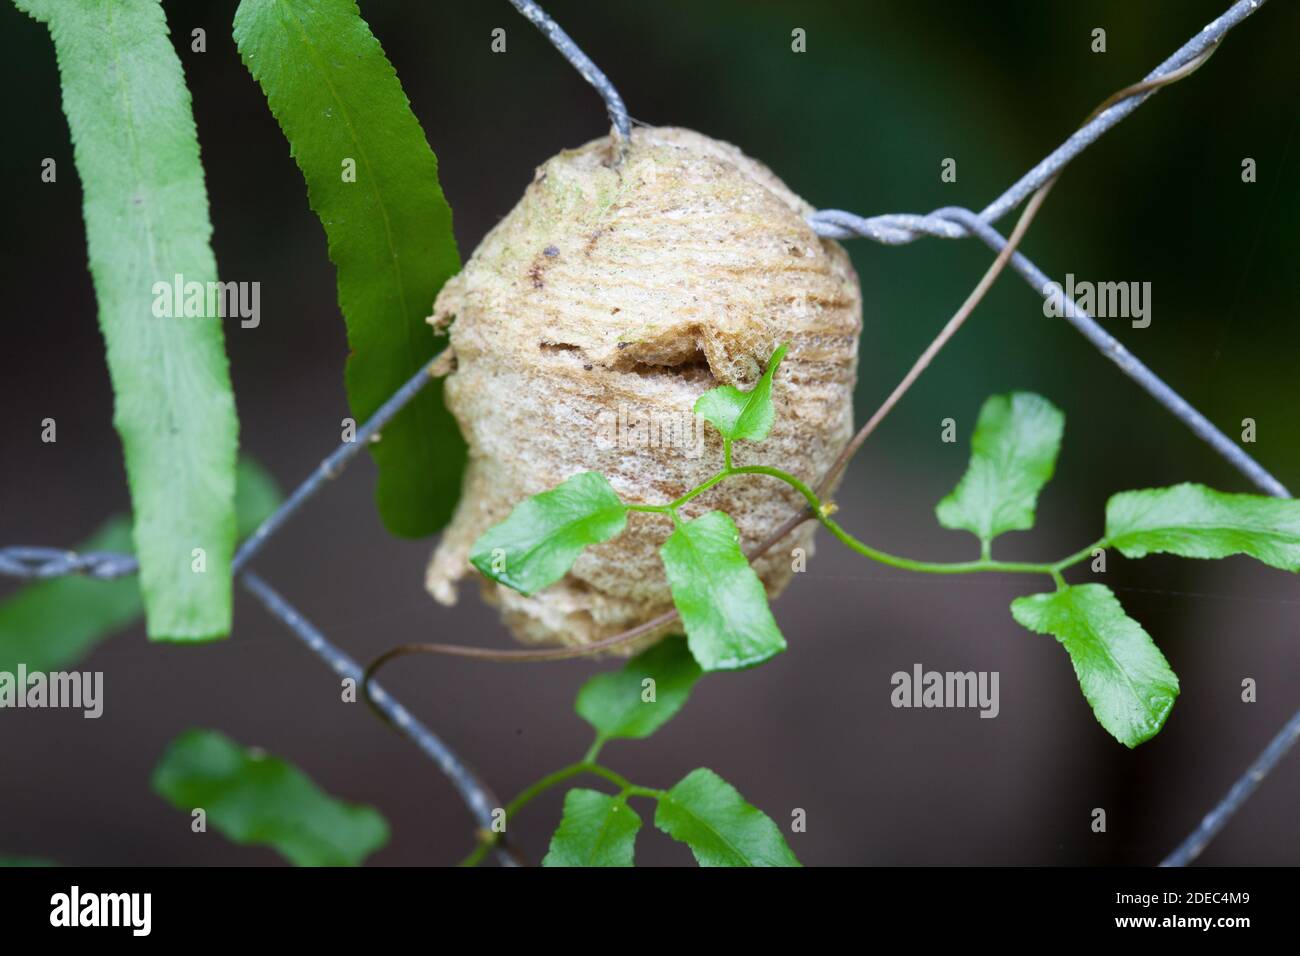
639 699
50 624
146 212
538 543
256 799
1124 676
373 182
1013 454
712 818
595 830
1193 521
721 600
736 414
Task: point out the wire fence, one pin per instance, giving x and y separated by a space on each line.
888 229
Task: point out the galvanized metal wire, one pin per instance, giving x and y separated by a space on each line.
580 62
40 563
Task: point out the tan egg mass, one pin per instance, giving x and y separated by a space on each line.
585 326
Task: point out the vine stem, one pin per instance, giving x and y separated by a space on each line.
626 788
985 564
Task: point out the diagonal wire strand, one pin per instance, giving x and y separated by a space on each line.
580 62
475 794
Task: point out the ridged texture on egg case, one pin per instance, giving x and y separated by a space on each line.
585 326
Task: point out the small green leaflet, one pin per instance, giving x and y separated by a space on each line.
50 624
721 600
1013 454
736 414
1198 522
615 703
372 180
538 543
147 227
1124 676
596 830
257 799
712 818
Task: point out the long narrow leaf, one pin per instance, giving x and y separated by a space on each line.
373 182
50 624
146 212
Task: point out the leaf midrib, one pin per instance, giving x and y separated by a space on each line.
1269 533
1087 623
607 820
711 828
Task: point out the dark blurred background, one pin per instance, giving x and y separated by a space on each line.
861 121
